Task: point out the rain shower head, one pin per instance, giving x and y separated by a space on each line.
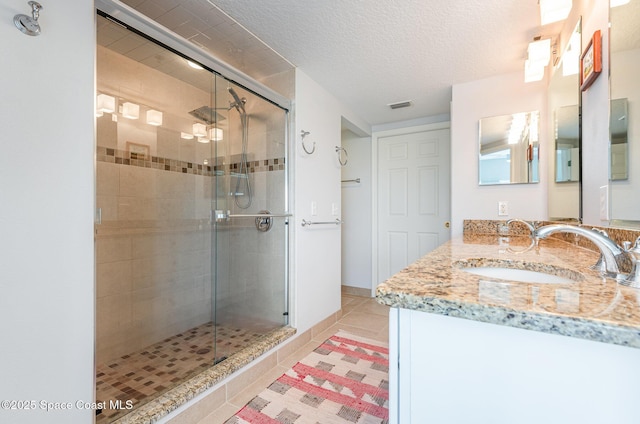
207 115
238 103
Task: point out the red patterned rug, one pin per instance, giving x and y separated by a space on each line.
344 380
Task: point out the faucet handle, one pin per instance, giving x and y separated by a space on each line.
633 279
600 265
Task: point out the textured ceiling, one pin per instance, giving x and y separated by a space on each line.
370 53
367 53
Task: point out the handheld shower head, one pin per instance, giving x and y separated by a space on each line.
238 103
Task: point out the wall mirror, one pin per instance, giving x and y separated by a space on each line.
509 149
619 140
624 165
567 144
564 117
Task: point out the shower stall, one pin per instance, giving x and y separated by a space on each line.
192 229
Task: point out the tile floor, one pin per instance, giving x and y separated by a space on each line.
144 375
360 316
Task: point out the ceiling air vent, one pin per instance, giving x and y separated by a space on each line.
400 105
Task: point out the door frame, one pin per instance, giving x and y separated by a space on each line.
374 186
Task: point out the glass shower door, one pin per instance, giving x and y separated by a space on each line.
251 220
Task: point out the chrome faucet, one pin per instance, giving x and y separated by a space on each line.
614 258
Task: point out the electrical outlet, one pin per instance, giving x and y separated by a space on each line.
334 209
604 203
314 208
503 208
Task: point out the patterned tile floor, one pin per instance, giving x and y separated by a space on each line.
144 375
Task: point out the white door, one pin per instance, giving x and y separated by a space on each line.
413 206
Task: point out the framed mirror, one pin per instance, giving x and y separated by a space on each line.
509 149
624 164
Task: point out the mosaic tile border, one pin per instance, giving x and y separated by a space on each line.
122 157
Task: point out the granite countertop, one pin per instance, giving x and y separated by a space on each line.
592 308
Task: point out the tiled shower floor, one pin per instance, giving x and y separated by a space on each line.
143 375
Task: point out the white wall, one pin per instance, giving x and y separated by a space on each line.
356 212
499 95
595 116
316 286
46 219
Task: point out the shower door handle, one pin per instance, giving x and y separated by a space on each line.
221 215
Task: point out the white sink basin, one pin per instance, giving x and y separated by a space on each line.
520 275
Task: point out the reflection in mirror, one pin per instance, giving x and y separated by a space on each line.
564 113
625 88
509 149
619 165
567 131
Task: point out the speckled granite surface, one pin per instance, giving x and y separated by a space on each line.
591 307
158 408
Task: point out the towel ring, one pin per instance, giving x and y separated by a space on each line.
339 150
303 134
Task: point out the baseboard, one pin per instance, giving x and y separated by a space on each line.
356 291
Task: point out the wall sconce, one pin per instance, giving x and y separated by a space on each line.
186 136
216 134
130 110
203 140
554 10
106 103
154 117
199 130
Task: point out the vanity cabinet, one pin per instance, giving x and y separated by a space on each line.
453 370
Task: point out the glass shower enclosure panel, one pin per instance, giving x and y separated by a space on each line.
251 229
192 235
155 188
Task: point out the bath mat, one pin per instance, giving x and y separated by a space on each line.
344 380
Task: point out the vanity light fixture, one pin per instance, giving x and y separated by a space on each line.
532 72
215 134
571 57
538 56
554 10
130 110
199 130
154 117
533 128
517 127
105 103
539 52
